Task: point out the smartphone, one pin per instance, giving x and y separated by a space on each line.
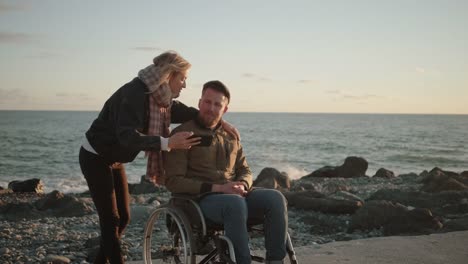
205 140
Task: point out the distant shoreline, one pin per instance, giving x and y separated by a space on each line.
242 112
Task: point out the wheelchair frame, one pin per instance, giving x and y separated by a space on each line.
185 240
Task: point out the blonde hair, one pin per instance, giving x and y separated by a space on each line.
168 63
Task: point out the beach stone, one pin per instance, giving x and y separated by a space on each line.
352 167
140 212
32 185
323 224
54 259
439 203
394 218
273 179
62 205
438 180
16 212
4 251
154 201
334 187
458 224
324 172
5 191
139 199
307 201
302 186
342 195
143 187
384 173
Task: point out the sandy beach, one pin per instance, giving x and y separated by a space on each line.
444 248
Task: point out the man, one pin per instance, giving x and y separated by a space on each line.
220 168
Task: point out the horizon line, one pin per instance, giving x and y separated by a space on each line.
249 112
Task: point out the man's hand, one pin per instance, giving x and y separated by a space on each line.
230 188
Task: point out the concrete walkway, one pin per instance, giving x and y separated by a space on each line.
450 248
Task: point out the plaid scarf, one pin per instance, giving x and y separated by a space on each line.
160 101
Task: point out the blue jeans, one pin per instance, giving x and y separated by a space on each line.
261 205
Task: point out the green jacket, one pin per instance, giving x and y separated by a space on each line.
193 171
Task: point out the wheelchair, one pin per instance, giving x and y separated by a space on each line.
177 232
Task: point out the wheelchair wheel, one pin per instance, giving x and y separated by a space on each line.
168 238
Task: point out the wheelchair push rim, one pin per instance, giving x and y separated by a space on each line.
168 238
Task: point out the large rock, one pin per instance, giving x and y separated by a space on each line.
442 203
143 187
342 195
32 185
61 205
271 178
18 211
351 168
458 224
384 173
438 180
394 218
311 200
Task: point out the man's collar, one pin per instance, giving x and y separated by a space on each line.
201 125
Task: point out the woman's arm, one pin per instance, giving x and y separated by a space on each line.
181 113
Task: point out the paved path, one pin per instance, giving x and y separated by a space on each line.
450 248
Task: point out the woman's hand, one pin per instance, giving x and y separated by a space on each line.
182 140
230 129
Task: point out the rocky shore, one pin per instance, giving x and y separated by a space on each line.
338 203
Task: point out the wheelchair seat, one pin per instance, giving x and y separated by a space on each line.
177 232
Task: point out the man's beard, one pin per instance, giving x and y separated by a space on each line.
209 120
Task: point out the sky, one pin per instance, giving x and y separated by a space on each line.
332 56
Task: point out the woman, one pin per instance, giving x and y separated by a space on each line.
135 118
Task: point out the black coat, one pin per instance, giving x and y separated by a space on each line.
117 134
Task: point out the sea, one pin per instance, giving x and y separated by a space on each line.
45 144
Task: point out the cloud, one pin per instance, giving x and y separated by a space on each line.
4 8
420 70
13 95
15 37
360 97
80 96
44 55
142 48
333 91
255 77
306 81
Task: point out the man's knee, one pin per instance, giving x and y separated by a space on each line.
276 199
236 206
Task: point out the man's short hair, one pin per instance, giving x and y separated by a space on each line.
217 86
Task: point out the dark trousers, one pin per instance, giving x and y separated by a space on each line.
108 186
